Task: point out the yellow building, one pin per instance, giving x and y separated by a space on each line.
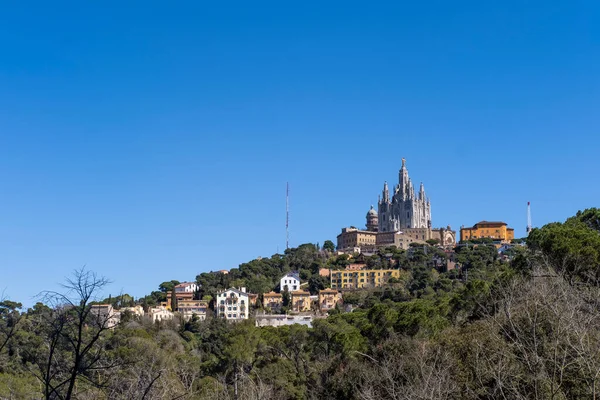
272 301
362 279
486 229
328 299
352 237
300 301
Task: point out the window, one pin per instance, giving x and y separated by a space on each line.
234 315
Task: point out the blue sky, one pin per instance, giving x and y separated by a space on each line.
153 141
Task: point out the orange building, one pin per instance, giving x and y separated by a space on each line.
328 299
273 301
324 272
300 301
494 230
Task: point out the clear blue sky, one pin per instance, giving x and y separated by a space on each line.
153 141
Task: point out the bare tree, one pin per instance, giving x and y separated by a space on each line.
423 372
551 332
72 334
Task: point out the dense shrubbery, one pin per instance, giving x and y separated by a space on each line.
525 329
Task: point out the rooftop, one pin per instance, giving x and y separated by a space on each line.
301 292
235 290
293 274
185 284
328 291
188 302
491 223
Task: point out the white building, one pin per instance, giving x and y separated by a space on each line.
281 320
137 311
189 308
291 280
160 313
104 315
187 287
233 304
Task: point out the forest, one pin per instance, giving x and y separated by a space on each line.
526 328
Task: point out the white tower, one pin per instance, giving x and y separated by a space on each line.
529 218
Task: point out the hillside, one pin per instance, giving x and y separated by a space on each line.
528 328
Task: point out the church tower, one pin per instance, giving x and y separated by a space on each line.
372 220
405 209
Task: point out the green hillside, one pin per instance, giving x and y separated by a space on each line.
527 328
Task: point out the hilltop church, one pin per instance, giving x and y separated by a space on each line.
405 209
400 220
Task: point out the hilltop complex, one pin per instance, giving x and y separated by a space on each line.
400 220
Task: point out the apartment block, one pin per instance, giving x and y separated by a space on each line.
362 279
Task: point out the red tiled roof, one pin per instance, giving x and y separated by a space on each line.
301 292
491 223
185 284
328 291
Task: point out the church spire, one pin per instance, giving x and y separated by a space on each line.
404 181
386 193
408 208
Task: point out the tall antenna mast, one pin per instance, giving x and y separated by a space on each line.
528 217
287 215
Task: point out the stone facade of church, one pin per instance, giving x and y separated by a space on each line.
405 209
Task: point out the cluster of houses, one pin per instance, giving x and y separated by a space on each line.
234 304
107 316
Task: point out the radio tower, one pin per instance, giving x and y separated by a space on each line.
528 217
287 215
